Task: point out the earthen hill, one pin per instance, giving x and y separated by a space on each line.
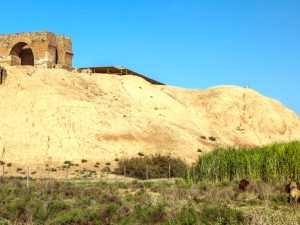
51 113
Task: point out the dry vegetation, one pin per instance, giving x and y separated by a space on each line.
216 198
143 202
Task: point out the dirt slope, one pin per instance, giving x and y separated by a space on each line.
52 115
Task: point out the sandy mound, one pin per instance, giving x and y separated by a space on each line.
52 115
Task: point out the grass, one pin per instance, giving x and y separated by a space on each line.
208 195
142 202
269 163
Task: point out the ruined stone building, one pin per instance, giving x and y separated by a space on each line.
37 49
49 50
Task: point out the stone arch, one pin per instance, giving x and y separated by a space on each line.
14 49
21 54
19 39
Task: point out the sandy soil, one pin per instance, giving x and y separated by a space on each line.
49 116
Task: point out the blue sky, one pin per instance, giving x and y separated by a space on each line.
187 43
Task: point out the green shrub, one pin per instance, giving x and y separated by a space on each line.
216 214
109 211
156 165
67 162
149 214
57 206
16 209
280 199
111 208
187 216
4 221
72 216
38 211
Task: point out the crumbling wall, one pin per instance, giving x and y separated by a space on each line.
49 50
3 75
64 50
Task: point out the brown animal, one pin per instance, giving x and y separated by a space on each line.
288 189
294 193
243 184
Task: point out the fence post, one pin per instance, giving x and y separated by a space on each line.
3 173
193 176
124 171
27 182
147 173
48 170
169 175
67 175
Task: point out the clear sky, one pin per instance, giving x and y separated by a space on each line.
187 43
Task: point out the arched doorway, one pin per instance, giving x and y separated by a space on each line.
21 54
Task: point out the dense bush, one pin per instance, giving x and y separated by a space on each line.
157 166
273 162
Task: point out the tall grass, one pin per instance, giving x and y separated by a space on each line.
272 162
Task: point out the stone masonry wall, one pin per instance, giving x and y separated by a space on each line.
48 50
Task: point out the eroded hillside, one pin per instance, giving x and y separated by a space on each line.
52 115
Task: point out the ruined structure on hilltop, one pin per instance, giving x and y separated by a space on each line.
36 49
46 49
